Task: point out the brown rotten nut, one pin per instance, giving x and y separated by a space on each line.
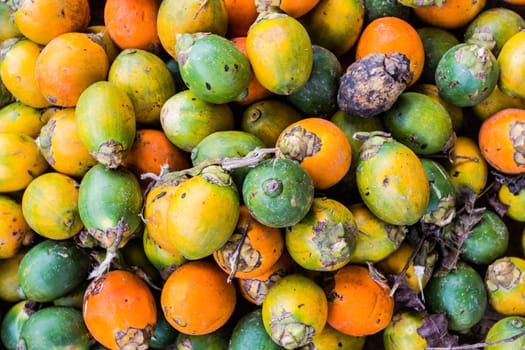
373 83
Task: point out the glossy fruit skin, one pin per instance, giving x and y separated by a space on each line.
157 199
19 117
186 119
249 332
241 15
318 96
466 74
20 160
500 140
441 208
420 122
55 327
488 241
203 213
273 40
227 143
261 249
504 283
403 188
452 14
131 303
106 122
12 322
178 17
375 239
460 294
14 227
213 67
493 27
504 328
325 239
456 113
146 79
294 311
50 206
278 192
335 24
387 35
60 144
83 63
402 331
52 269
316 144
187 287
152 151
109 203
436 42
17 71
358 305
515 203
266 119
41 21
133 24
256 91
510 61
470 173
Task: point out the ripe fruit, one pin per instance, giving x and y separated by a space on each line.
184 293
294 311
132 307
358 304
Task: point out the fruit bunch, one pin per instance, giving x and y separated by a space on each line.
275 174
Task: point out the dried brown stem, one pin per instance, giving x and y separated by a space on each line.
237 253
401 275
200 9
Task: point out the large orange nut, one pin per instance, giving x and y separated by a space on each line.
321 148
196 299
502 140
67 65
120 311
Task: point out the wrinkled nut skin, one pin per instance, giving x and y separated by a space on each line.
372 84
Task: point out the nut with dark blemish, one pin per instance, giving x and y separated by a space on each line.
372 84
